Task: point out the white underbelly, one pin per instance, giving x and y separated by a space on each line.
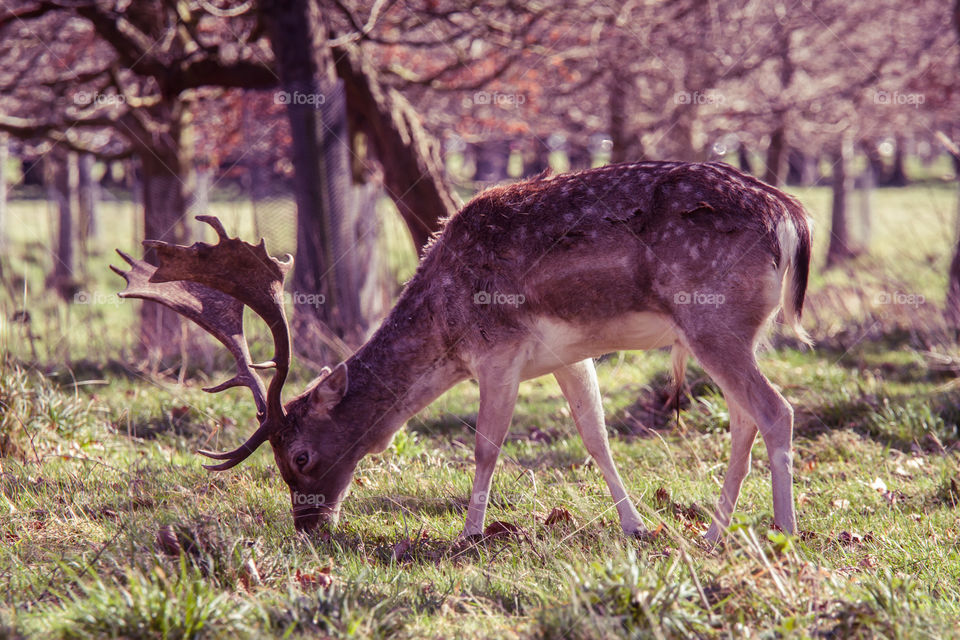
556 343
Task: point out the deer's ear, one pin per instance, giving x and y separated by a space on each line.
330 390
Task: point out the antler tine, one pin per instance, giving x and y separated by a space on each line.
244 272
217 313
241 453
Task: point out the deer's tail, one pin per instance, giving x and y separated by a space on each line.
793 232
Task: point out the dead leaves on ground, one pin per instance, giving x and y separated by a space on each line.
318 579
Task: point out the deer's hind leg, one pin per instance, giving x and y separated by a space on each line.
729 358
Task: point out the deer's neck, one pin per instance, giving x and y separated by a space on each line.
405 366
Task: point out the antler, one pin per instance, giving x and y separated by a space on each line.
210 284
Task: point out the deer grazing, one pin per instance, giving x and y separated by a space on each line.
533 278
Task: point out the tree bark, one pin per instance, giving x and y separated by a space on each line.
327 273
492 159
898 174
743 158
776 155
838 249
62 191
413 171
953 277
953 282
866 184
86 203
4 156
163 219
626 142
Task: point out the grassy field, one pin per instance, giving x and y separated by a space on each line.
110 527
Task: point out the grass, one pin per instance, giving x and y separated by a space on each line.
111 528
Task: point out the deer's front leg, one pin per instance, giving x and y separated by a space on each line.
498 395
579 385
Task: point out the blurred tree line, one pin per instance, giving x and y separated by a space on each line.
349 100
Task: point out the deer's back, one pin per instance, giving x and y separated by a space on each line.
606 242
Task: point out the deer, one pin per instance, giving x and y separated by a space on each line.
534 278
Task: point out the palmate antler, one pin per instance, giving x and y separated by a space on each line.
210 284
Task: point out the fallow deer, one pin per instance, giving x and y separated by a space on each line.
533 278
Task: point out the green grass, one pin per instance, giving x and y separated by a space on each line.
111 528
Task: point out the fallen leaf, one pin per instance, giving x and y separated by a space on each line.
558 515
869 561
401 549
502 528
179 413
841 503
852 537
878 485
915 463
320 579
903 473
662 496
167 540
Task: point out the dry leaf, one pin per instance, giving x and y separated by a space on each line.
502 528
852 537
878 485
167 540
401 549
321 579
558 515
841 503
662 496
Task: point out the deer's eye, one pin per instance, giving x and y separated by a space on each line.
301 459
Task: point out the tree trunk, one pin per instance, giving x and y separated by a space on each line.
410 157
866 183
626 143
4 156
536 158
801 168
953 283
62 191
743 158
898 174
163 219
327 314
86 203
776 156
492 159
838 249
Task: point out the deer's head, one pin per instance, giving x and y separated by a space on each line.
210 285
